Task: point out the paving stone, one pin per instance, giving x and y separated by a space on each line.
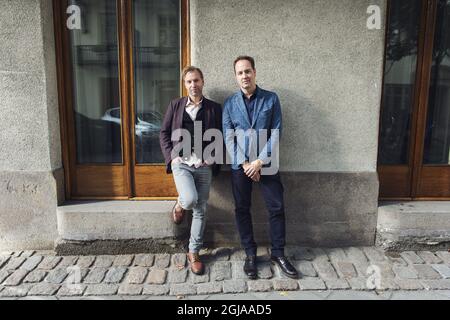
57 276
444 255
44 289
209 288
411 257
68 262
31 263
260 286
14 263
16 278
71 290
443 284
234 286
345 270
136 275
336 255
14 291
179 260
158 276
16 254
184 289
177 276
325 269
300 253
374 254
6 253
101 290
238 270
4 274
309 283
405 272
4 260
104 261
359 284
443 270
144 260
130 289
337 284
75 275
162 261
362 268
156 290
221 254
221 271
49 263
35 276
387 284
285 285
28 253
385 269
123 261
356 256
115 275
238 255
265 271
320 255
426 272
398 261
95 276
85 262
429 257
193 278
409 284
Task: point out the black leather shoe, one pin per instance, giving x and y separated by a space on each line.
285 266
250 267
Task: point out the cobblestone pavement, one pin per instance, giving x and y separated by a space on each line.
364 272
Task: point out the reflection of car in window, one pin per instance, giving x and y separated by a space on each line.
147 123
148 126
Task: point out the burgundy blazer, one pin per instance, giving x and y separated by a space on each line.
173 120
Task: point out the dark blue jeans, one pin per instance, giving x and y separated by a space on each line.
272 191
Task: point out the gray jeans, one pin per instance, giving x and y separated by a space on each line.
193 185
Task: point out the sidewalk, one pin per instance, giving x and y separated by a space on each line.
341 273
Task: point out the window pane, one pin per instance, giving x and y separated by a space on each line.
96 83
399 82
437 136
157 71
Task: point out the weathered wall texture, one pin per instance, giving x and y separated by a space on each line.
321 59
30 157
326 66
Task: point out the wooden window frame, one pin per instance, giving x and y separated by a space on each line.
84 182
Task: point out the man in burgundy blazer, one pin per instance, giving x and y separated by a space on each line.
192 174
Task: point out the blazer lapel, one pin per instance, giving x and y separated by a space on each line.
258 106
179 113
243 108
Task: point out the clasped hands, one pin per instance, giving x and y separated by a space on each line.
253 170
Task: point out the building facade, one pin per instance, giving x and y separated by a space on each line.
84 85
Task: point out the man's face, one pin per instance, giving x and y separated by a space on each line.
245 75
194 84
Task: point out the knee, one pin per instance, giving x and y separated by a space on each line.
189 202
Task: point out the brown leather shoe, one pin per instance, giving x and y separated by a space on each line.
197 266
177 214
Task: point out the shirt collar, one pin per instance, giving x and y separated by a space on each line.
255 94
191 104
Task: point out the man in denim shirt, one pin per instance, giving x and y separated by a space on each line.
253 109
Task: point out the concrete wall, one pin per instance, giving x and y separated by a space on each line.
30 158
326 66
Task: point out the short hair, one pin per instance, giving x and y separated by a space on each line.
189 69
248 58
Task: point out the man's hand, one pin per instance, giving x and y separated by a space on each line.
177 161
253 170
